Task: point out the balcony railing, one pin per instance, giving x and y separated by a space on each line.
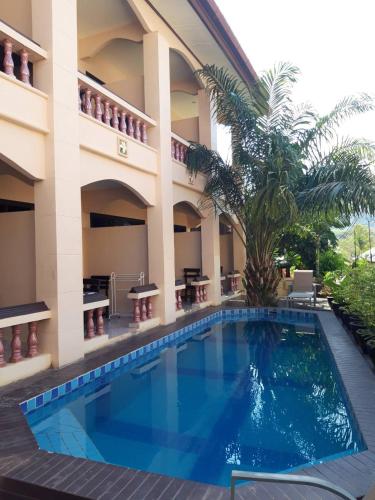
179 148
18 53
100 103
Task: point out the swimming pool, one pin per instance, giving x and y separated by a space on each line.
242 389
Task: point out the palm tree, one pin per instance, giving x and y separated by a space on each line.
287 163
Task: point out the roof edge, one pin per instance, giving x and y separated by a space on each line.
219 28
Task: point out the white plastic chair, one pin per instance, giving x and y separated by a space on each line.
303 287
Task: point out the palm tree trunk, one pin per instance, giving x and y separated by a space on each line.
261 275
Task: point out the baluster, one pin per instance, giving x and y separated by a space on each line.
197 295
144 137
16 344
179 300
123 122
90 326
143 310
149 308
8 58
99 321
185 150
32 340
115 121
79 98
107 114
130 128
2 360
137 130
87 106
177 151
176 299
222 287
98 107
136 311
204 292
24 70
173 148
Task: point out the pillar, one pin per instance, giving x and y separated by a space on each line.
58 228
210 224
210 235
239 250
160 217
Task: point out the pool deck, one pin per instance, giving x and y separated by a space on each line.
21 460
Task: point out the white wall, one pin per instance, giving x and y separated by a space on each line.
188 251
17 258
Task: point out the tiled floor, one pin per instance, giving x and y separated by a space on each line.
20 459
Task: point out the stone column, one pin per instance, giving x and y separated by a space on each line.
210 224
211 256
160 217
58 227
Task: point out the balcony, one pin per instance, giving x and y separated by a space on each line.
114 131
23 113
181 176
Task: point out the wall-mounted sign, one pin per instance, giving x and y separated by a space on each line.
122 147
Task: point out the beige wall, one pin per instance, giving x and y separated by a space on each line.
17 13
188 253
226 252
187 129
17 258
13 188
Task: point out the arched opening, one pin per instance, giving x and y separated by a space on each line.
114 235
184 98
110 48
17 253
187 248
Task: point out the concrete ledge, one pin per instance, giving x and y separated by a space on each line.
180 312
95 343
201 305
95 305
25 368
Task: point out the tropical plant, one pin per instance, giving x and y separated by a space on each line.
287 163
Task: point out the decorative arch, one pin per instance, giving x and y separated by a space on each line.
18 168
134 191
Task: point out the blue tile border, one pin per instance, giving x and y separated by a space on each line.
224 314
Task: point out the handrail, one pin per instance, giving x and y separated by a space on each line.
179 148
20 41
289 479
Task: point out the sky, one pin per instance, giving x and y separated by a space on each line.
331 41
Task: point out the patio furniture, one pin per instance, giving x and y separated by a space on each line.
303 287
190 274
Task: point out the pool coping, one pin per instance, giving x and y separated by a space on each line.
21 459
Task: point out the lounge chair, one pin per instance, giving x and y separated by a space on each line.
293 479
303 287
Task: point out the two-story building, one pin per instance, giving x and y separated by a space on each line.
99 100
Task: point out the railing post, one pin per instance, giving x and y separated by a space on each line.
24 70
2 360
136 311
8 58
123 121
143 310
107 114
79 98
197 295
90 326
87 105
204 291
16 344
98 107
99 321
115 120
149 308
137 130
32 340
130 127
173 149
144 133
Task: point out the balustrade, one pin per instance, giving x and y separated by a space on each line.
21 69
178 290
97 103
13 318
234 281
200 286
179 149
94 304
142 297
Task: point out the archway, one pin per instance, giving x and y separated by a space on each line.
114 235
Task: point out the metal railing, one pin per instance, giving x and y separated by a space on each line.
288 479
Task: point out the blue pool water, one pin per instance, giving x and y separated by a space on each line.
260 395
